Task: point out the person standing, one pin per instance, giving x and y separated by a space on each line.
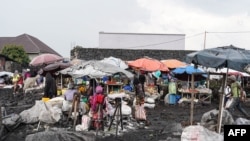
237 92
172 91
27 74
50 89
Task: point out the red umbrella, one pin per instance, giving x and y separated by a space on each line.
148 64
45 59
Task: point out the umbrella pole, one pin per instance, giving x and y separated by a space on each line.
221 108
61 82
192 101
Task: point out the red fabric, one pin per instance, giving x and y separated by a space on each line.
99 98
20 81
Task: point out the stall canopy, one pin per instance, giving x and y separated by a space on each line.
115 61
184 73
148 64
173 63
95 69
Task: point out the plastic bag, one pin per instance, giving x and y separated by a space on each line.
229 102
140 113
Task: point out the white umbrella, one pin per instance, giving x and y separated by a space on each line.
115 61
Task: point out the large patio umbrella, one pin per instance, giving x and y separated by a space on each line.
173 63
221 57
57 66
230 57
148 64
45 59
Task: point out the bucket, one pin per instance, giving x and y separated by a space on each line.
172 99
45 99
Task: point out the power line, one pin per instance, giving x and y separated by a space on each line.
232 32
148 45
167 41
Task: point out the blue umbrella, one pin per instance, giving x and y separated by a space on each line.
183 73
187 69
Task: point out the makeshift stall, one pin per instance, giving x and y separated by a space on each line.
201 94
112 88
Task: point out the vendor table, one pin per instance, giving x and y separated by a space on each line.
113 87
203 95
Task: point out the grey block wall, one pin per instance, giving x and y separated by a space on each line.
125 54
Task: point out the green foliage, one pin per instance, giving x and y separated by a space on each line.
16 53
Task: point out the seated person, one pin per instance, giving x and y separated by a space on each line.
69 93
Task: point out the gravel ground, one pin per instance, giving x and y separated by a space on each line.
162 118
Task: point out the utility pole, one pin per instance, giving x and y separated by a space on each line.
204 47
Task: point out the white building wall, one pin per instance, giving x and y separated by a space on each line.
142 41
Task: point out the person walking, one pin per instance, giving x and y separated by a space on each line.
237 92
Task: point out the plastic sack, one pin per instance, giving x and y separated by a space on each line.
150 100
200 133
140 113
229 102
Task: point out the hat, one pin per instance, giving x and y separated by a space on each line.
232 77
157 74
99 89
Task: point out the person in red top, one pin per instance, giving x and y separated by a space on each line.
97 104
27 74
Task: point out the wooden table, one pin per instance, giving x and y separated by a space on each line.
200 95
111 87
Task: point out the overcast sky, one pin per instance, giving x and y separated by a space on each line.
62 24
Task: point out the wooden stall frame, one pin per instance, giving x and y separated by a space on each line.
221 98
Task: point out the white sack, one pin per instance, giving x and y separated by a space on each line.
199 133
150 106
242 121
31 115
51 115
56 101
149 100
85 124
126 110
226 117
11 120
67 105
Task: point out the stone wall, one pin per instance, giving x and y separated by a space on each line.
126 54
6 94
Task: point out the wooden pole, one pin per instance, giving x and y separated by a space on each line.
221 108
192 100
0 116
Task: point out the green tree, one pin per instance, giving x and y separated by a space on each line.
16 53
